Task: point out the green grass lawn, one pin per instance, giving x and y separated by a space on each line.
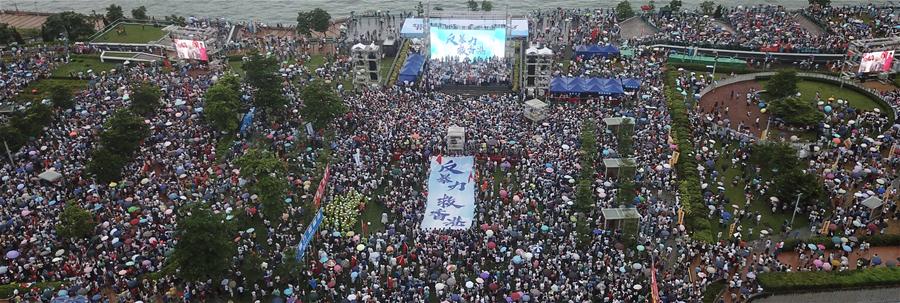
857 100
80 63
134 33
315 62
43 88
385 68
735 195
236 66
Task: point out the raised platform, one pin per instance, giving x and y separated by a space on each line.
475 90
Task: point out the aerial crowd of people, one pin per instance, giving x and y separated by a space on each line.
527 244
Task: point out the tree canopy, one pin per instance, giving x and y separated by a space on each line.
317 20
267 179
145 99
8 34
204 249
796 111
321 104
113 13
61 97
472 5
782 84
123 132
74 222
139 13
223 104
487 5
73 25
822 3
261 75
708 7
624 10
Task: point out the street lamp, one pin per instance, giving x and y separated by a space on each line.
796 204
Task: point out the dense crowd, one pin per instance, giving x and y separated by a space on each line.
528 242
450 71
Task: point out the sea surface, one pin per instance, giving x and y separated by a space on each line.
285 11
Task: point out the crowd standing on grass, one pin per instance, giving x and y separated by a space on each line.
529 242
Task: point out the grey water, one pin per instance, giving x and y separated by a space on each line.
285 11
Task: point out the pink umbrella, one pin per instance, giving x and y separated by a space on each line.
821 247
817 263
338 268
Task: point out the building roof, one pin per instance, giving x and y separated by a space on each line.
50 175
535 103
617 121
872 202
619 162
620 213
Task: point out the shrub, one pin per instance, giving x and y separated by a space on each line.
783 282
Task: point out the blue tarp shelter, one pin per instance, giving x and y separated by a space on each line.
583 85
411 68
631 83
590 51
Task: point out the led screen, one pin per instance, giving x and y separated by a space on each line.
464 44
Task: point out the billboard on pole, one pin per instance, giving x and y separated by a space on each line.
191 49
875 62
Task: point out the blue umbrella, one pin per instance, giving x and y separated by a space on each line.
847 248
288 291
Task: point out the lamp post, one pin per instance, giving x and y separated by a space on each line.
796 204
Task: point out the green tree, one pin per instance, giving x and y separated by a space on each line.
774 157
821 3
178 20
105 166
74 222
36 117
718 13
707 7
675 5
795 111
73 25
584 196
139 13
204 250
260 73
316 20
782 84
420 10
8 34
123 132
61 97
321 104
487 5
251 267
114 13
472 4
786 185
267 179
145 99
222 106
624 10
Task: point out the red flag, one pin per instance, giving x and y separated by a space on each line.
320 192
440 159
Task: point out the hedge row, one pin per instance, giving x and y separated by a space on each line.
688 175
787 282
6 291
875 240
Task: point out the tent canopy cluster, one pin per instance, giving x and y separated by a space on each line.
590 51
411 68
599 86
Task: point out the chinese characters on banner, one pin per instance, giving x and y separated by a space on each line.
451 193
309 234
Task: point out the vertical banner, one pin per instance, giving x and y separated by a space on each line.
309 234
451 193
320 192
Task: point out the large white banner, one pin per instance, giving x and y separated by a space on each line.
415 27
451 193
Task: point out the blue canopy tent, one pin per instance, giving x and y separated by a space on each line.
582 85
590 51
631 83
411 68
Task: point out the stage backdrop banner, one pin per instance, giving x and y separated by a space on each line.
451 193
875 62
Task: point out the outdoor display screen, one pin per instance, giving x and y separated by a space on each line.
467 44
876 62
191 49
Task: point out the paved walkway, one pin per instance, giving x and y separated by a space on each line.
737 106
809 26
878 295
636 27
